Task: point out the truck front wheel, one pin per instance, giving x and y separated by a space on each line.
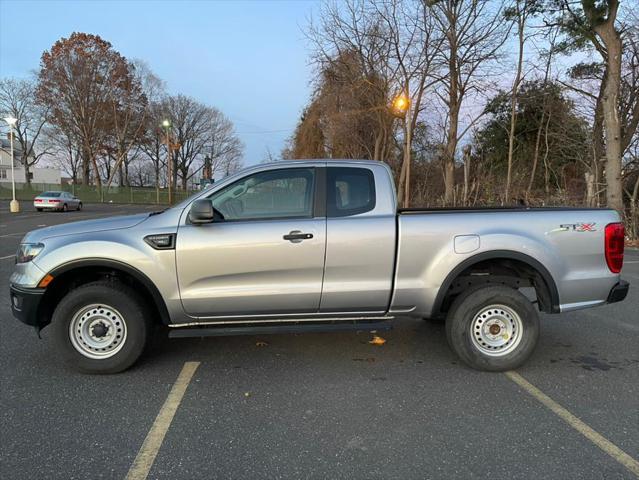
493 328
101 327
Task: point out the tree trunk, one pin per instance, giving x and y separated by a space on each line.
401 183
86 168
513 101
407 159
533 171
612 123
591 189
126 171
27 174
157 178
546 166
174 171
184 179
451 143
611 39
378 144
467 151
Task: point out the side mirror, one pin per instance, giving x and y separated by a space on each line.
201 212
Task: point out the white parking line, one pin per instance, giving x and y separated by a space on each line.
153 441
606 445
8 256
12 234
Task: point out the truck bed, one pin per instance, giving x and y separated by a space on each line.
496 209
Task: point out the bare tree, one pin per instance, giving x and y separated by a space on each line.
223 147
474 32
393 46
66 151
17 98
596 23
351 37
196 131
548 56
414 48
129 110
151 143
520 12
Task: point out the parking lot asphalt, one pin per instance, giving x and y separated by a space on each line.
322 405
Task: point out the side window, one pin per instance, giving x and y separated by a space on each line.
350 191
285 193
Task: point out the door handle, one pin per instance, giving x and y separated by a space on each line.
296 236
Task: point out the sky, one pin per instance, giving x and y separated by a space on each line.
249 59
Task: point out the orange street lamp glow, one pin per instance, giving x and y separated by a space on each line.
400 104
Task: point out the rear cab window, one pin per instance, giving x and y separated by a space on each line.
349 191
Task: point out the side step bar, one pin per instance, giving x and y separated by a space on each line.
261 329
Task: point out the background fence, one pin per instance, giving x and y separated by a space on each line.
91 194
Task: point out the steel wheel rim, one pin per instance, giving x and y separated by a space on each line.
98 331
496 330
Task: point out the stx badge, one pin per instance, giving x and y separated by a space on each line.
579 227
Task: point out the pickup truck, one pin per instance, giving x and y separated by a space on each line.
314 246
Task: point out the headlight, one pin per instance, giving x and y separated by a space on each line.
28 251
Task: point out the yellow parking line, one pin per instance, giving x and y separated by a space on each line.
153 441
596 438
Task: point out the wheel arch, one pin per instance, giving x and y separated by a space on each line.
545 286
78 272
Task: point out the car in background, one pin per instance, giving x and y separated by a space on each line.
62 201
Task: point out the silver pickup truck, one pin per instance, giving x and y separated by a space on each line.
314 246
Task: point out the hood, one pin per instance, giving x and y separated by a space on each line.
111 223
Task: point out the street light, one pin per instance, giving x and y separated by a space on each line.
400 104
166 124
14 206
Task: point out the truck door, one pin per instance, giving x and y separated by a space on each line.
360 243
265 255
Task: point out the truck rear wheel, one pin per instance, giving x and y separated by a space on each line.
493 328
101 327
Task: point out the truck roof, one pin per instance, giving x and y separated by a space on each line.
322 161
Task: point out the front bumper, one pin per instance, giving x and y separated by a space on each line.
618 292
25 303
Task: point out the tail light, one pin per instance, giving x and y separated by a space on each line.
38 200
54 201
615 234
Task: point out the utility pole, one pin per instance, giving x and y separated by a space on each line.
14 206
166 124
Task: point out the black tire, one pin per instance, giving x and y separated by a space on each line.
65 208
39 209
113 295
466 308
79 206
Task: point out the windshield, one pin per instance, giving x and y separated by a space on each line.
51 194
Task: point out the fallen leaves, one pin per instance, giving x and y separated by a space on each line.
261 344
377 340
